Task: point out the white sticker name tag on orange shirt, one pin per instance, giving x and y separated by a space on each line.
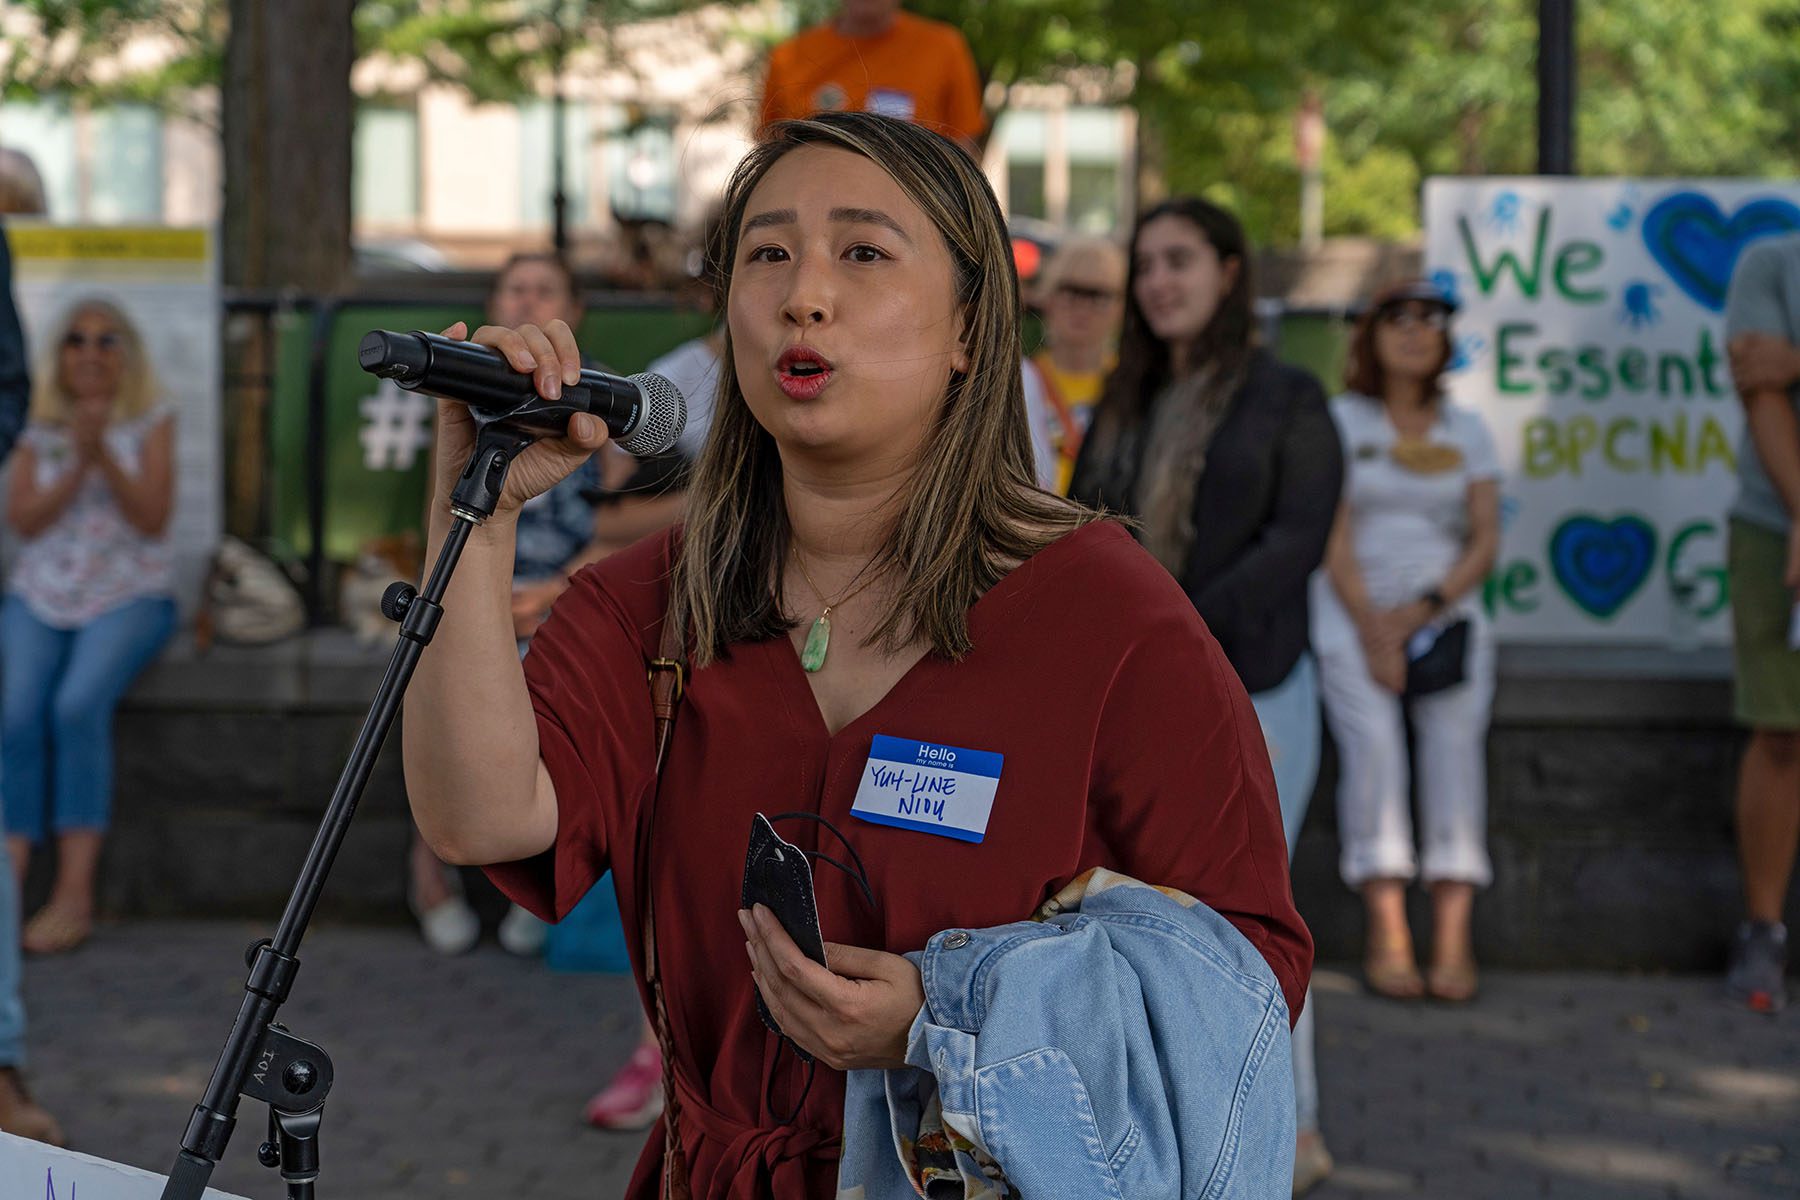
946 790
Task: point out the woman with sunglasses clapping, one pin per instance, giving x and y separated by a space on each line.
89 602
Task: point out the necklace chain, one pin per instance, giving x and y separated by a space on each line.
848 596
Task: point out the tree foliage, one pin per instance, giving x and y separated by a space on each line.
1664 87
75 47
493 50
1411 87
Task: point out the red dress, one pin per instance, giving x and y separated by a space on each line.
1128 744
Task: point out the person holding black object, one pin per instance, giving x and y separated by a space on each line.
1399 631
866 562
1229 461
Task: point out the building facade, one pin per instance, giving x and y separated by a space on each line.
651 128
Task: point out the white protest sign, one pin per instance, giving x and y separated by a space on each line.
1591 339
34 1171
166 281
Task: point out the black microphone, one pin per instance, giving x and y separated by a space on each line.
644 413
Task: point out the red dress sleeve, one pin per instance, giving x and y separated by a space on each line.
596 735
1184 793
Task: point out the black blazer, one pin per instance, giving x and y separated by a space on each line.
1262 515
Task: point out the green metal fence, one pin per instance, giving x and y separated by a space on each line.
348 457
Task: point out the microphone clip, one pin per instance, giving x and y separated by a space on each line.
498 441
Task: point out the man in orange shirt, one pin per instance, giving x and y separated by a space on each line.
875 58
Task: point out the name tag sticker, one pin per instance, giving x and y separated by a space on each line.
946 790
891 102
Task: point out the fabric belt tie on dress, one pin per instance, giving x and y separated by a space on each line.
756 1162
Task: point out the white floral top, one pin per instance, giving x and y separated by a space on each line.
91 560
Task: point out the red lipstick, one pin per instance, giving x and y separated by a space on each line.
802 372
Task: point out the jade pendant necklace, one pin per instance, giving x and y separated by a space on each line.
818 638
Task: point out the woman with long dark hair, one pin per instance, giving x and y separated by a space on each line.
1229 461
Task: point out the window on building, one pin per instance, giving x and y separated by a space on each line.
1096 143
537 162
45 130
384 170
116 176
125 175
1024 136
1094 197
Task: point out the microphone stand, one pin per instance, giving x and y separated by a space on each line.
261 1059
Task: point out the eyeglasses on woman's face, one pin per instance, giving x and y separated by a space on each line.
1087 293
80 339
1411 316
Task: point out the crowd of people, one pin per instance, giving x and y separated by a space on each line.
1149 522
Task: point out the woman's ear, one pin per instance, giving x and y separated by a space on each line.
959 357
1228 274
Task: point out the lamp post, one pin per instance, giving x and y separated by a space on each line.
1556 87
559 104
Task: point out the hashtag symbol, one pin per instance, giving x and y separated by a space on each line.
396 426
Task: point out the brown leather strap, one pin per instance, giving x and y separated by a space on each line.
668 678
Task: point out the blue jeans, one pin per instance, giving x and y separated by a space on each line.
1289 714
58 690
12 1004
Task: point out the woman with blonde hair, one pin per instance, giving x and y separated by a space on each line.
89 601
866 559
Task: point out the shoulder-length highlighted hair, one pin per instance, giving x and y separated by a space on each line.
138 389
971 510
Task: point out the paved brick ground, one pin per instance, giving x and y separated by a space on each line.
466 1077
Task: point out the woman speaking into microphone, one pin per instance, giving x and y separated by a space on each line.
866 562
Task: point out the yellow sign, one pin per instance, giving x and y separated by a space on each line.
148 244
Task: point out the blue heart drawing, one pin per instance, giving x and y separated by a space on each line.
1698 245
1601 564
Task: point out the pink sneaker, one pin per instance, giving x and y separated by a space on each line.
634 1097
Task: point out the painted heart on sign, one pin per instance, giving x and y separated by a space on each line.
1698 245
1601 564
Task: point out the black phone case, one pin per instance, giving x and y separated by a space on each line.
778 876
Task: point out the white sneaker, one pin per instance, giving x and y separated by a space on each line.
522 934
450 928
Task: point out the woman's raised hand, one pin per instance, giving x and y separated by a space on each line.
550 356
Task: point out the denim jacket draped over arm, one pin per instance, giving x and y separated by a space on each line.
1129 1042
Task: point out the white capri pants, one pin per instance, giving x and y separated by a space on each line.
1374 814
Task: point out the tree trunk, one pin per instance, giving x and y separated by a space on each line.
287 125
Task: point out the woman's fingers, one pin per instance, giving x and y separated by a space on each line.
774 986
587 433
777 956
548 374
568 354
811 980
510 343
860 962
